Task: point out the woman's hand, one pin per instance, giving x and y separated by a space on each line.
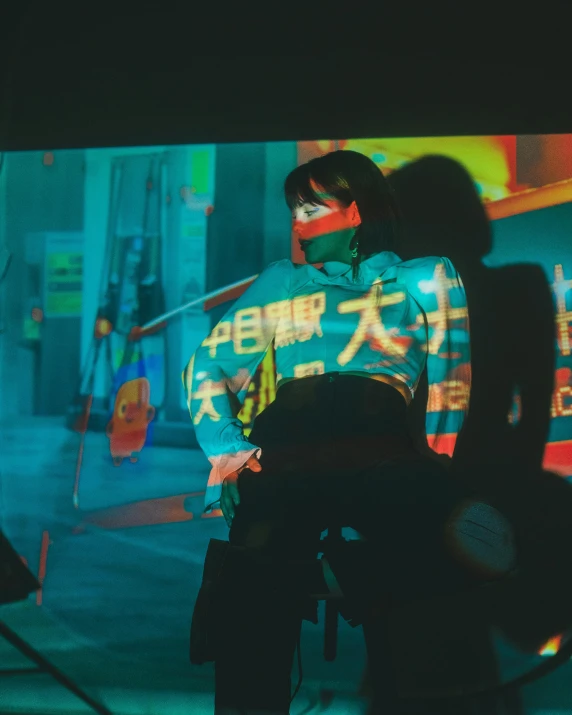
230 496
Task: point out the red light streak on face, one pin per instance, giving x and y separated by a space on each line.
338 218
322 225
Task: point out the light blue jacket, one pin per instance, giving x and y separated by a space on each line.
396 316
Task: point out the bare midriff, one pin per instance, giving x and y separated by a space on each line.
400 386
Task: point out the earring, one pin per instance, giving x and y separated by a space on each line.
354 252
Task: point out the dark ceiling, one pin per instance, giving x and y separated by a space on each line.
120 81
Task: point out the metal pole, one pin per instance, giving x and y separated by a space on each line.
45 666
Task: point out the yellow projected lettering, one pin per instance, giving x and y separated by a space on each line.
455 394
306 313
563 316
448 395
246 414
298 319
370 328
205 394
261 392
560 408
220 334
267 389
440 318
247 327
281 313
309 368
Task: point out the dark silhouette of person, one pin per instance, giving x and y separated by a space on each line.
443 215
511 318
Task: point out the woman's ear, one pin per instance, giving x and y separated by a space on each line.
353 214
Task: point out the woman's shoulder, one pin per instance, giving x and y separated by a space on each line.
423 277
286 265
287 276
424 268
283 265
423 262
278 271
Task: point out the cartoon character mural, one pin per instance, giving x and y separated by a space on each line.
132 413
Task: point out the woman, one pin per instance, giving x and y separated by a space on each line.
352 339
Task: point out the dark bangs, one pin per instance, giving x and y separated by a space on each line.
298 188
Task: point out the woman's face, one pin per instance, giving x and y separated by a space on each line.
325 232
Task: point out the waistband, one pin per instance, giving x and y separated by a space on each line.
361 405
351 384
390 380
333 415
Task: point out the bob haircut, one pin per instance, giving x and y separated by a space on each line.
348 176
443 214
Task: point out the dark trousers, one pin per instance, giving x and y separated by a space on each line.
335 450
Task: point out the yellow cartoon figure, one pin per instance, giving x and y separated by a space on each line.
127 429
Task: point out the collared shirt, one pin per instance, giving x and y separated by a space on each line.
394 319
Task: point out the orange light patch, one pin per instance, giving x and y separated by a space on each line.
552 647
